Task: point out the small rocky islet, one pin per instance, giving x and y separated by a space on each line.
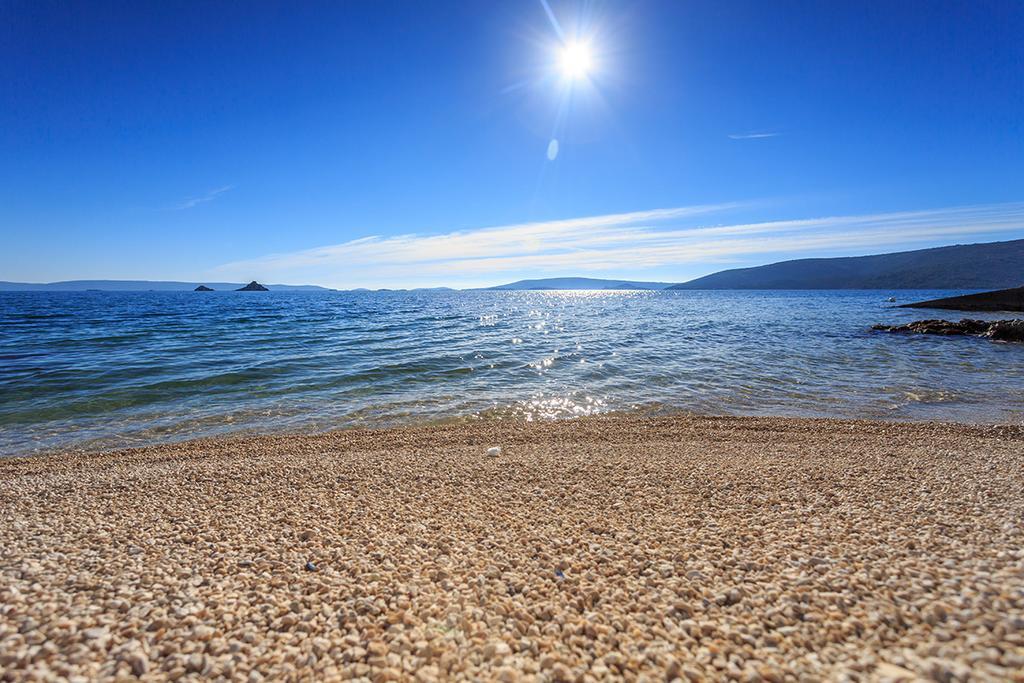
251 287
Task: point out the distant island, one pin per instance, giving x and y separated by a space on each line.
580 283
992 265
253 287
141 286
202 288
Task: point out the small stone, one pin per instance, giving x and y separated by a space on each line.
507 674
497 649
196 663
494 451
202 633
428 674
730 597
893 672
138 662
354 654
560 672
310 567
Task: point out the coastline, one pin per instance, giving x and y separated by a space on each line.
138 442
746 547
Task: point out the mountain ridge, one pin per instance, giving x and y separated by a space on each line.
985 265
137 286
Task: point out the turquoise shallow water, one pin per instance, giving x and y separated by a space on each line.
103 370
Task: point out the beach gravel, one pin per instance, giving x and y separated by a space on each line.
746 549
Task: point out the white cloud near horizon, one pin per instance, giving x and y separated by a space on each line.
637 241
208 197
753 136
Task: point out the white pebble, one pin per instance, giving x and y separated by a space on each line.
494 451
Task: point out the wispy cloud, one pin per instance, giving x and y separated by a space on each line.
753 136
629 241
208 197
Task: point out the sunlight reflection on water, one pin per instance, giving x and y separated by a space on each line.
111 369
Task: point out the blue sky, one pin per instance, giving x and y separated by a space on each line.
407 144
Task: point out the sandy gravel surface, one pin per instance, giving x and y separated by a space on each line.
744 549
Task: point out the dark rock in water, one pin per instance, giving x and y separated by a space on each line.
965 326
998 300
202 288
253 287
1006 330
997 330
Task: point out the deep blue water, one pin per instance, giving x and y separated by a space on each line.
104 369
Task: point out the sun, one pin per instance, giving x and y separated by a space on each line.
575 60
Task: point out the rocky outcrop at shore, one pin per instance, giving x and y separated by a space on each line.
253 287
999 300
996 330
202 288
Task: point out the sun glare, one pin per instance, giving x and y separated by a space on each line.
575 60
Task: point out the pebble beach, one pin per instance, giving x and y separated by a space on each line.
607 548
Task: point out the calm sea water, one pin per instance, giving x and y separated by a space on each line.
102 370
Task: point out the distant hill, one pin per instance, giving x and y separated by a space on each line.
136 286
580 283
992 265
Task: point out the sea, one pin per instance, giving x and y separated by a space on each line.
107 370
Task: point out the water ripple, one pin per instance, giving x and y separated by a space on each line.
99 370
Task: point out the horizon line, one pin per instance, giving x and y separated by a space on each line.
539 277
